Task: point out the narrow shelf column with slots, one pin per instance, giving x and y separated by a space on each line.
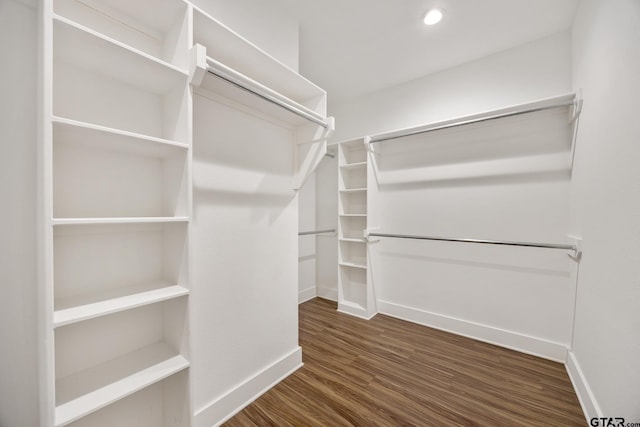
355 290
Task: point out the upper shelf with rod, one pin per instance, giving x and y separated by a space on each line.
563 101
230 51
211 74
224 64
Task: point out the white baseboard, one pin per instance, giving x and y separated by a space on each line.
503 338
588 402
355 310
306 294
328 293
222 409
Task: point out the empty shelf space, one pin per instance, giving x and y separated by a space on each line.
78 311
131 220
103 174
88 391
92 51
95 81
161 34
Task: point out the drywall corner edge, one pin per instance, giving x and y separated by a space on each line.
329 292
306 294
223 408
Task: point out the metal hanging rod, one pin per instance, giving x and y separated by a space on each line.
268 97
333 156
306 233
487 242
388 137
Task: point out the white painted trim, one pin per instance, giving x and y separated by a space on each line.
223 408
328 293
355 310
590 407
492 335
306 294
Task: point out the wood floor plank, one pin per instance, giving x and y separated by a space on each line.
388 372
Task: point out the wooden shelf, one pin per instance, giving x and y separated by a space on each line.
351 166
88 311
104 56
103 137
95 388
352 265
343 239
132 220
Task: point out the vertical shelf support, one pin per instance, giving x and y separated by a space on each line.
310 152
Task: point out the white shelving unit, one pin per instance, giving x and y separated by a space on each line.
116 192
116 210
355 291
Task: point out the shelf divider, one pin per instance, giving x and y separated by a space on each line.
129 220
89 311
122 387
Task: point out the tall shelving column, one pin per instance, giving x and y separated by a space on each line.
355 294
116 192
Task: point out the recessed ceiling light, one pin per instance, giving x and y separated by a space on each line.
433 17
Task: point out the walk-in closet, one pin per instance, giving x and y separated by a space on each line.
339 213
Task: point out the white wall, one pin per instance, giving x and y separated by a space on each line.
606 208
244 251
536 70
326 218
516 297
307 243
271 25
18 303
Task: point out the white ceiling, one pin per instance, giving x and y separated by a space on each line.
355 47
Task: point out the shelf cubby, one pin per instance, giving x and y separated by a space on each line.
354 288
352 153
353 203
111 267
102 360
352 227
161 34
98 172
353 254
162 404
102 83
353 179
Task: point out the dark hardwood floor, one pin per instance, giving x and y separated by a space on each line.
388 372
